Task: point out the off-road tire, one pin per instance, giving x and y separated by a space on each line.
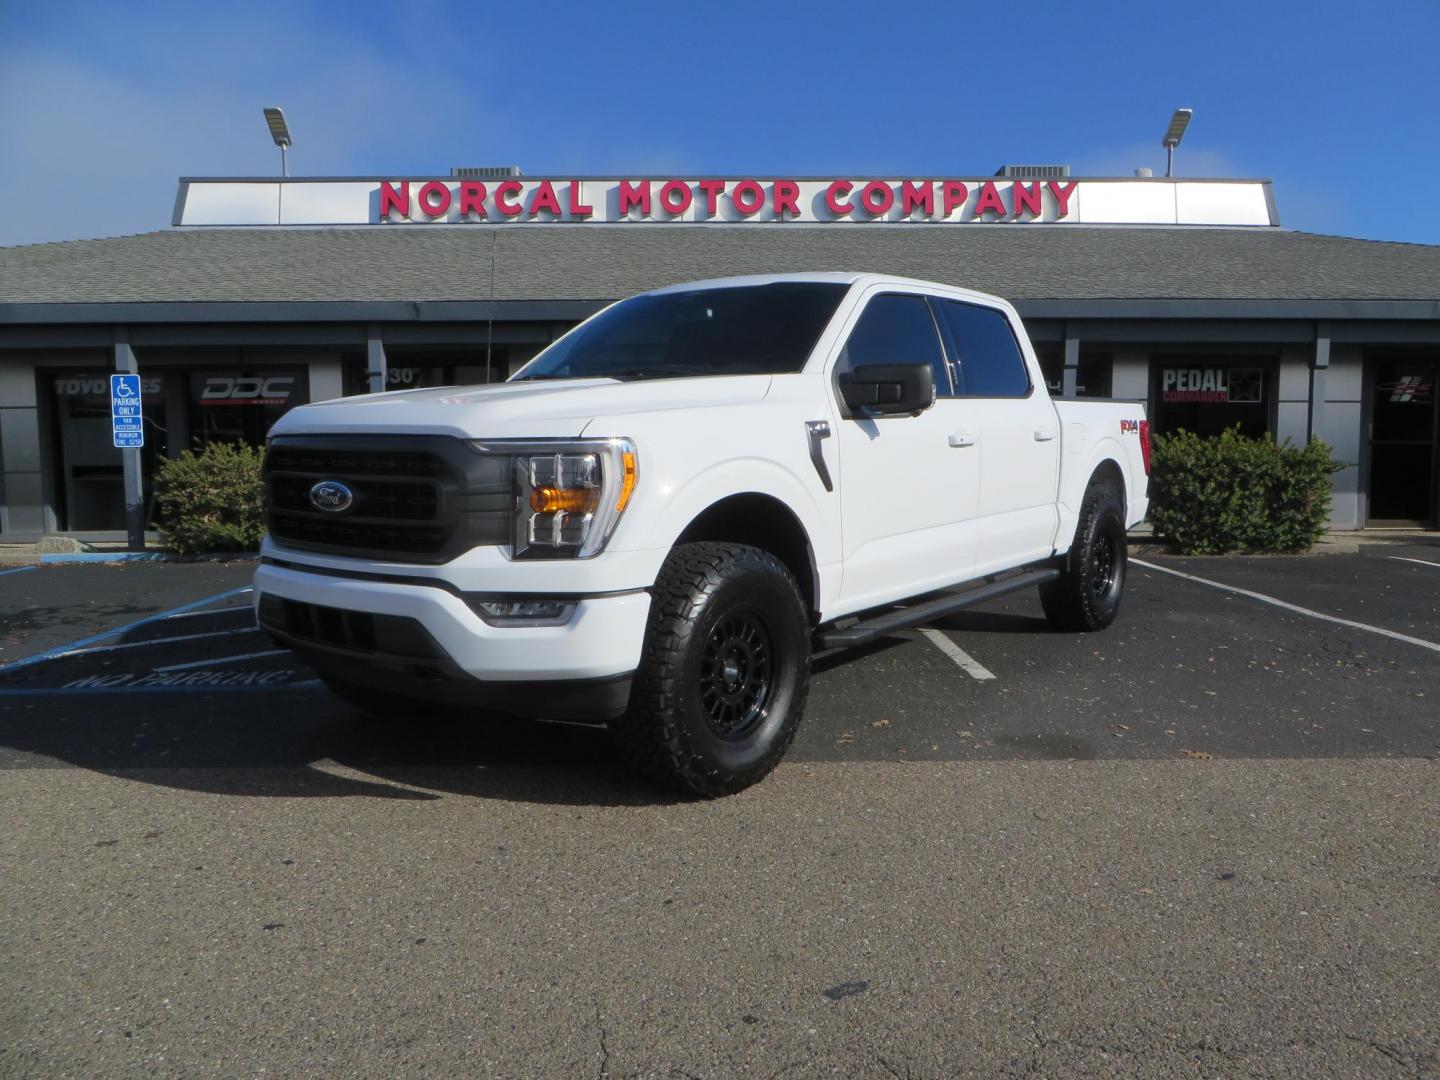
717 609
1087 595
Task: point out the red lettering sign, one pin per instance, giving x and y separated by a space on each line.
748 197
989 200
919 196
578 209
632 195
472 198
832 197
393 199
1062 194
504 193
435 199
952 196
1025 197
712 190
676 197
787 198
545 199
877 196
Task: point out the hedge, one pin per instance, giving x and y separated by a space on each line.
1230 492
212 501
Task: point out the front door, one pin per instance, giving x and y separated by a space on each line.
1403 420
909 485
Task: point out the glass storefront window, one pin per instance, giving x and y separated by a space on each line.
91 492
1208 396
1092 377
241 405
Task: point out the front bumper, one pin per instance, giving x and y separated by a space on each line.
430 644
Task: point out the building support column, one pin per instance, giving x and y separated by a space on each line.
1319 367
1070 378
376 366
130 456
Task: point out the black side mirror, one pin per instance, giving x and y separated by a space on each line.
888 389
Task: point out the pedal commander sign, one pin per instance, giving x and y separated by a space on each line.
738 200
1212 385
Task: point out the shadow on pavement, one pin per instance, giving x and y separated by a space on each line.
287 744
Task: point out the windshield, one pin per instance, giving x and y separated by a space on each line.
744 330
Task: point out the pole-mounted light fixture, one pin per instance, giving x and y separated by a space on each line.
1173 134
280 132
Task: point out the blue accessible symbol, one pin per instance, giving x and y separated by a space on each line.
126 422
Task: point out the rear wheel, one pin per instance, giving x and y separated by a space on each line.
724 672
1087 595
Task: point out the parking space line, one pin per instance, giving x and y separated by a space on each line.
17 570
1432 646
963 660
1422 562
54 691
61 650
155 641
221 660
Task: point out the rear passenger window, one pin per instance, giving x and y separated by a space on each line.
896 328
989 360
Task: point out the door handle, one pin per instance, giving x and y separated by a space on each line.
962 438
1044 434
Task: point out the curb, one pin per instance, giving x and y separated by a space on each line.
142 556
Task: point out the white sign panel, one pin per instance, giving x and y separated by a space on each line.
704 200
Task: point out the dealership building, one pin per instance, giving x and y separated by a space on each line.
264 294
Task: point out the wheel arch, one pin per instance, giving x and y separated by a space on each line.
765 522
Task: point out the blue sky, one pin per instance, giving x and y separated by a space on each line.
105 105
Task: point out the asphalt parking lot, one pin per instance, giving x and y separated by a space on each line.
1206 841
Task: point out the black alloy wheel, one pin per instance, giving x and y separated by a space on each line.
735 674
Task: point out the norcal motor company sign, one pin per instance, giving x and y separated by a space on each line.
702 200
714 199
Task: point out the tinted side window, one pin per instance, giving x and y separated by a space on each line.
990 364
896 328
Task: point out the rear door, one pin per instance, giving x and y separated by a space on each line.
1019 435
909 485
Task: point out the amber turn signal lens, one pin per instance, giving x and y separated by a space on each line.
549 500
627 480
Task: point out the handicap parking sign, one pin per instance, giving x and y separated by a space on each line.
126 423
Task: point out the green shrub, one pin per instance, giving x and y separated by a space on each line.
1234 493
212 501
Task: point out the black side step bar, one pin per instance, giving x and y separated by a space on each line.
927 610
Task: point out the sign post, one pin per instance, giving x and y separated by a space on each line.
127 426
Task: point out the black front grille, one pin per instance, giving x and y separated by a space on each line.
353 631
414 498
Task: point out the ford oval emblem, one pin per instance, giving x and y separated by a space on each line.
331 496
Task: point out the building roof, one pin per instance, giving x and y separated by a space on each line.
1030 266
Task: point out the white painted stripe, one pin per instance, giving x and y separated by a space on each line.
963 660
1422 562
154 641
210 611
221 660
17 570
1432 646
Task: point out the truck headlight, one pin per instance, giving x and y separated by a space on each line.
570 494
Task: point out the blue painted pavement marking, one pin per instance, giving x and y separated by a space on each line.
71 646
17 570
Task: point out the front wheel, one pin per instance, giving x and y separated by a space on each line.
1087 594
724 671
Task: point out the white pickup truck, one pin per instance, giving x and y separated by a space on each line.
654 522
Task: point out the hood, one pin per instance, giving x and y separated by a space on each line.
541 409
